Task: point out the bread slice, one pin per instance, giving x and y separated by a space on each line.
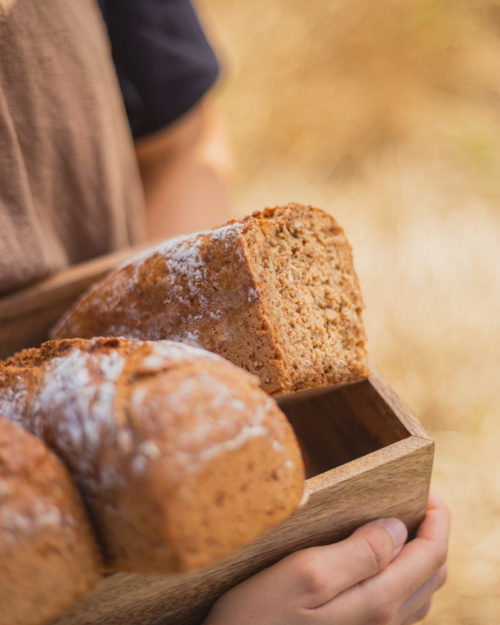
48 554
275 293
180 456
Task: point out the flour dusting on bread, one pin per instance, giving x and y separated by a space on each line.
276 293
180 456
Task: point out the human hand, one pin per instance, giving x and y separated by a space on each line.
371 577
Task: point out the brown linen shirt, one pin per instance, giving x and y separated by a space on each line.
69 183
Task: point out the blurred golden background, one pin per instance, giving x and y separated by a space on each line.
387 114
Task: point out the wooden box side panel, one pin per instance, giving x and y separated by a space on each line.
335 425
394 404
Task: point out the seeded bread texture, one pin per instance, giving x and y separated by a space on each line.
181 458
48 554
275 293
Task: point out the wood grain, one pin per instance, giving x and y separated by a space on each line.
329 427
384 470
27 315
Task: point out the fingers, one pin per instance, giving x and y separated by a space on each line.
436 509
320 573
420 558
354 582
381 596
420 614
290 590
421 597
434 501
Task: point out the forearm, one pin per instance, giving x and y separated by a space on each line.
186 171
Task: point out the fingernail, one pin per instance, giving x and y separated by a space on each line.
397 529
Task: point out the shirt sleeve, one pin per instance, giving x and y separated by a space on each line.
163 60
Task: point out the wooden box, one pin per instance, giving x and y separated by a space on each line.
366 457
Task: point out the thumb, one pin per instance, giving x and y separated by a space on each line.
319 574
379 542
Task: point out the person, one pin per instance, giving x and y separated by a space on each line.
78 177
87 167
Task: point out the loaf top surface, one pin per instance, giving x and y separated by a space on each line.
88 381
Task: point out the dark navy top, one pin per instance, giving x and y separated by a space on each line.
162 57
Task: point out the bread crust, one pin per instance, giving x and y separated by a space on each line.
48 555
276 293
181 458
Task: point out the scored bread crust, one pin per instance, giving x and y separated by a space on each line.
49 557
180 456
276 293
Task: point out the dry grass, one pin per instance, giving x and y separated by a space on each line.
388 114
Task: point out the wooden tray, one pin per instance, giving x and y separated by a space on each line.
367 457
27 315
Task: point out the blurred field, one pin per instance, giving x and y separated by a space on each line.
388 115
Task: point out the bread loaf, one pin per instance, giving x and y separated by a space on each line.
48 555
180 456
275 293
